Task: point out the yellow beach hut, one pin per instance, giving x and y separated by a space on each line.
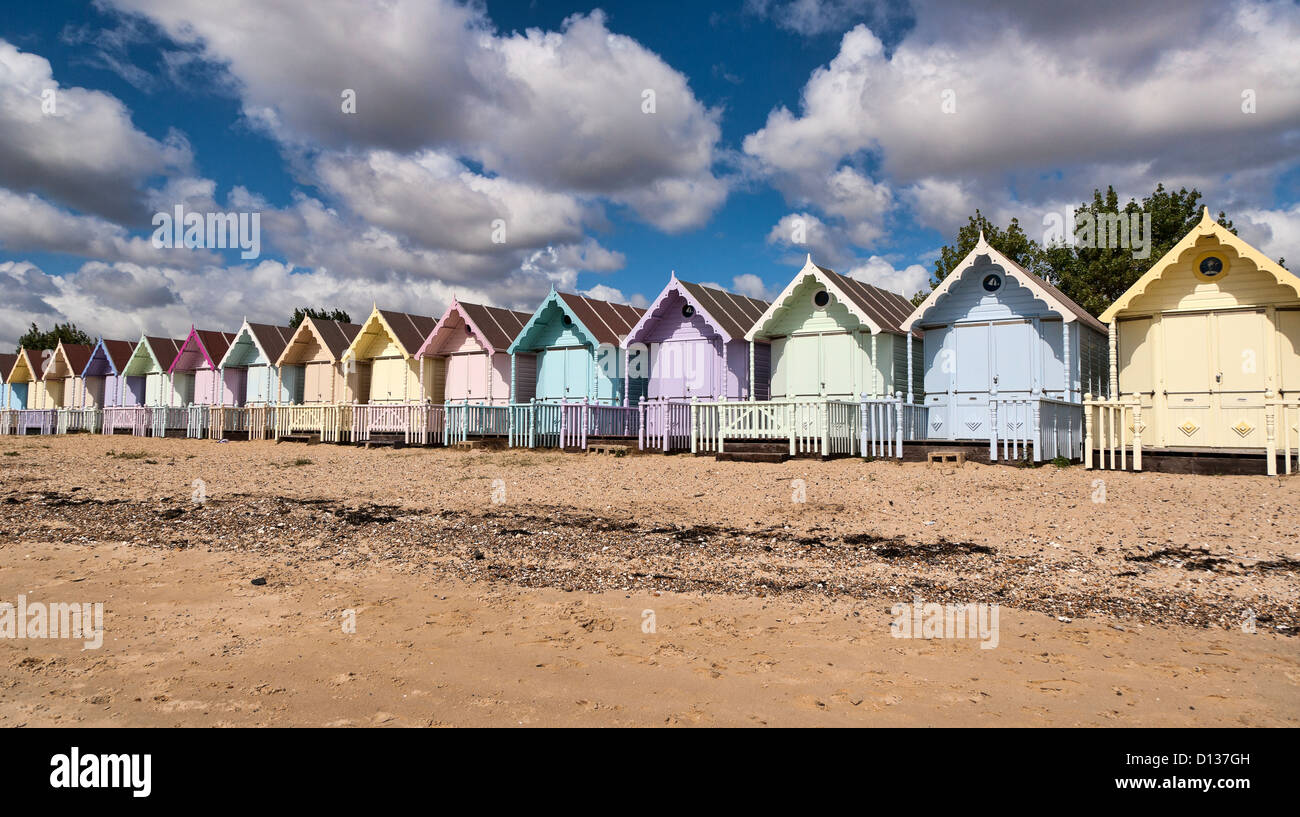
34 412
393 382
66 387
1204 356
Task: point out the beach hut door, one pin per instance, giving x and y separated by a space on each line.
1288 324
1239 379
1188 368
563 374
682 368
1013 347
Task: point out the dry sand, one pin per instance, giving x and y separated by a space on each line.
529 609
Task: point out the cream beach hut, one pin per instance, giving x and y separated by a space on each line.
1204 354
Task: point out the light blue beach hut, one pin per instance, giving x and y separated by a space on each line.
1004 351
569 350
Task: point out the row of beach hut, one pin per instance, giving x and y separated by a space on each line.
1201 354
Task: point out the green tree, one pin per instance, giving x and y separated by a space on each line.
1096 276
1093 276
319 314
34 338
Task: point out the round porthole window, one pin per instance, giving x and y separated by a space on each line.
992 282
688 311
821 298
1211 267
567 321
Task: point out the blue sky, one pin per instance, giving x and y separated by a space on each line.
825 115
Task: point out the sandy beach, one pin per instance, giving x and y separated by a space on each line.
438 587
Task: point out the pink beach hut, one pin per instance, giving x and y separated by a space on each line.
469 352
196 377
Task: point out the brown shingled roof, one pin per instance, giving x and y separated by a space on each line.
215 343
736 314
886 309
165 350
77 355
336 335
498 326
272 339
410 330
608 322
6 366
119 352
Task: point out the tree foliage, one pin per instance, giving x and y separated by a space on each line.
1093 276
34 338
302 313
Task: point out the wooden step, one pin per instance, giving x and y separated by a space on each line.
753 456
758 446
308 439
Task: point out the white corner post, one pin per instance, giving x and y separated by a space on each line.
1112 336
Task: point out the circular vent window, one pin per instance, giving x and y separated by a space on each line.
821 298
1211 266
992 282
688 311
567 321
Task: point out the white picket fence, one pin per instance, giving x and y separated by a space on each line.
870 426
136 419
72 420
1106 435
331 421
168 418
1037 428
1282 425
42 421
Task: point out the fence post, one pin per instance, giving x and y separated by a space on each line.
695 430
862 424
1087 431
532 424
1137 435
1270 434
898 401
791 418
993 423
1037 432
824 421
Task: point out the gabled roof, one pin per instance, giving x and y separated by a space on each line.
118 352
29 359
210 344
1206 227
494 327
335 336
1055 299
409 331
6 365
75 355
164 351
601 322
270 340
880 309
606 322
113 353
731 315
